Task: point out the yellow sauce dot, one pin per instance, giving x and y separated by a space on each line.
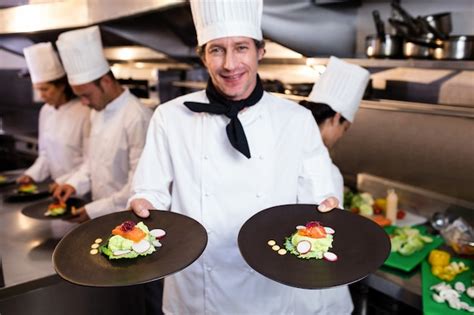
95 245
99 240
275 247
271 242
94 251
282 251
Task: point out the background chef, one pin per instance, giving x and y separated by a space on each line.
241 150
64 123
334 101
118 126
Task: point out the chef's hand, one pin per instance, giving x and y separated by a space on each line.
52 187
79 215
141 207
24 179
63 192
328 204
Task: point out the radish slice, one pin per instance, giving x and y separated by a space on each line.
157 233
141 246
156 243
121 252
301 227
330 256
303 246
329 230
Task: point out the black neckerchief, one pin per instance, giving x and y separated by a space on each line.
220 105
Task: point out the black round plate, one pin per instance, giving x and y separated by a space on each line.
184 242
16 196
37 210
360 244
9 180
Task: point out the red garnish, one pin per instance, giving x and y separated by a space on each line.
127 226
311 224
400 214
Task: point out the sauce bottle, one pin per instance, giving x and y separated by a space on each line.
392 206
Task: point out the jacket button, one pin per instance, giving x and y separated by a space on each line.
259 195
206 157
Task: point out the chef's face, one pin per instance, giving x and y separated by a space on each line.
232 63
92 94
332 130
50 93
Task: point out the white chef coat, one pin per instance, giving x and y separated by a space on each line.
189 154
63 134
117 138
339 184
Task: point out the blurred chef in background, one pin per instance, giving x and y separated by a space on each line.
334 101
118 126
64 123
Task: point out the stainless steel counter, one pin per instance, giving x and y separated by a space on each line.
26 244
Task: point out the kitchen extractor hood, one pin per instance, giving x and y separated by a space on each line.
166 25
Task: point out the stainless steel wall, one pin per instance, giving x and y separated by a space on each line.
435 152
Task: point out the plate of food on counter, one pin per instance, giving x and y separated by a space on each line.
364 203
121 249
51 209
301 247
7 179
410 246
28 192
447 284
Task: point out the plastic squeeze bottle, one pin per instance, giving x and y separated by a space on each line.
392 206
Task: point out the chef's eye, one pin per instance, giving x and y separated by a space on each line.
216 50
242 48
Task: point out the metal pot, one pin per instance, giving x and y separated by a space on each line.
439 24
456 48
390 46
417 50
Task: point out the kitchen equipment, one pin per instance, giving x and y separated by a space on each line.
439 24
359 252
459 47
407 263
391 46
413 28
379 26
439 221
422 48
184 242
429 280
460 236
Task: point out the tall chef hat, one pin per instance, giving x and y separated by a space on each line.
341 87
225 18
82 55
43 63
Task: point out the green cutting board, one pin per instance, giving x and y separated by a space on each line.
407 263
430 307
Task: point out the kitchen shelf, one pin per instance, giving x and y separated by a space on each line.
381 63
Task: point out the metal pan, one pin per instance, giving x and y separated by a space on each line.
456 48
391 46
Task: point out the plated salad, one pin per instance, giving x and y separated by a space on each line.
311 241
130 240
28 189
55 209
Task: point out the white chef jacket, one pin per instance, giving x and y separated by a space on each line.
189 154
63 134
339 184
117 138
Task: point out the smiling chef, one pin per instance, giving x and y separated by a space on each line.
221 155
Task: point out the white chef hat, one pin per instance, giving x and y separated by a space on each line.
224 18
341 86
82 55
43 63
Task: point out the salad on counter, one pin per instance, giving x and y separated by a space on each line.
130 240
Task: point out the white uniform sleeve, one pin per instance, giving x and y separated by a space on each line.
80 179
154 175
85 131
315 181
39 171
136 133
